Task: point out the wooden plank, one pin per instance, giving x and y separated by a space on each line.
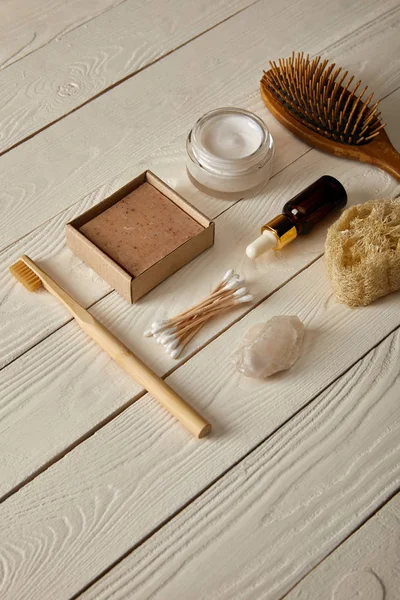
27 26
46 243
110 492
365 566
28 319
72 69
284 507
76 155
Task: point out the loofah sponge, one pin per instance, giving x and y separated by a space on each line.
362 252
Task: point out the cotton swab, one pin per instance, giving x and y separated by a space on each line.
222 293
175 333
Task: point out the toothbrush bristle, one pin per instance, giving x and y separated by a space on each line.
26 276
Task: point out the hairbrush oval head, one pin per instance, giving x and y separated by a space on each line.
318 102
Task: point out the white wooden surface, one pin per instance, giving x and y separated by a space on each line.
57 79
142 467
112 133
234 230
27 26
332 459
365 566
47 241
284 507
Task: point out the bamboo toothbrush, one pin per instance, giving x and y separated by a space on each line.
33 277
314 100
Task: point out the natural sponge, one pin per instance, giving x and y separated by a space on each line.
362 252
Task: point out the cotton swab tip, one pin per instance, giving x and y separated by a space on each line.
165 332
175 353
158 326
148 333
166 338
240 292
228 275
172 345
230 285
248 298
233 283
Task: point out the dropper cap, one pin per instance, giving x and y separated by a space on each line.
268 240
274 236
299 215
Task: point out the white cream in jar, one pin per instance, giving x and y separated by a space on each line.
229 152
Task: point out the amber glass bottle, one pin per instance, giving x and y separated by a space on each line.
315 202
299 215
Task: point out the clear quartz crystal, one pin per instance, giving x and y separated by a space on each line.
270 347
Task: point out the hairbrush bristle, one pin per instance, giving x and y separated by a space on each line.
26 276
322 97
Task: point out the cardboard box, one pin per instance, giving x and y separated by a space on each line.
128 286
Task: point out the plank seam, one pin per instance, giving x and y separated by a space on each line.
64 210
338 42
123 79
65 31
129 76
345 539
136 397
238 462
113 292
69 320
366 26
57 457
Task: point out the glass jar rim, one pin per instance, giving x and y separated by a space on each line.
233 166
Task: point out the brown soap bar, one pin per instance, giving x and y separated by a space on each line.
141 229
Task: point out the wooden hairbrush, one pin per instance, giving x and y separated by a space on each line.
313 99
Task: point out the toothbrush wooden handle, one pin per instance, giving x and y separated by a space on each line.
157 387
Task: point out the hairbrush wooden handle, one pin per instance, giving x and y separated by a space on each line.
380 152
157 387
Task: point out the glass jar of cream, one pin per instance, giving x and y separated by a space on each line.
229 153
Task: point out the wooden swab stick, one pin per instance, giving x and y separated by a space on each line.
175 342
185 340
200 308
211 300
210 311
175 333
230 278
